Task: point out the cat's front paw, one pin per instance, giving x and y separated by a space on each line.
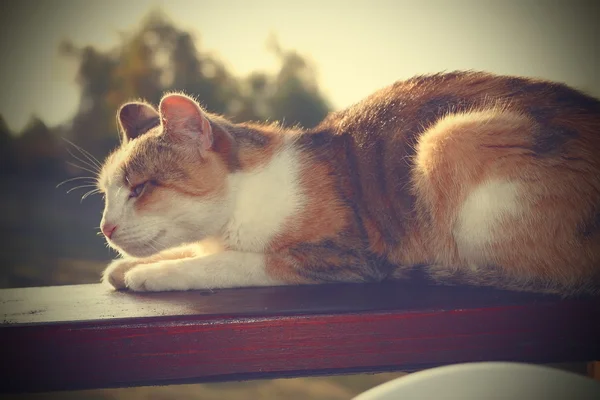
114 274
156 277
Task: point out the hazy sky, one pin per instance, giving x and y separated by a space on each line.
357 46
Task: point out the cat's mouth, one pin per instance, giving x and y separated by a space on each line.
144 248
159 235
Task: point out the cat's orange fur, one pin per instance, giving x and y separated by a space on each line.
475 178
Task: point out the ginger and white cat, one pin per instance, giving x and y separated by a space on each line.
475 178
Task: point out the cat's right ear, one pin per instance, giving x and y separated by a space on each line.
135 119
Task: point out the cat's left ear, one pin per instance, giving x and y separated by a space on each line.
135 119
183 120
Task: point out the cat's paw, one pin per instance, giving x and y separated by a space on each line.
114 274
156 277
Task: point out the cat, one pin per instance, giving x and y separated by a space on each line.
474 178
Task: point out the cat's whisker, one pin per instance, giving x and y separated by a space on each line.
90 193
82 168
84 162
92 162
91 179
151 241
86 154
153 247
80 187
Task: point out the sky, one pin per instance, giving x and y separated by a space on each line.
356 46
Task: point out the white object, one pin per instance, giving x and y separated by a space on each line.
487 380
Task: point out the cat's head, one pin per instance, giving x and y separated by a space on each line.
167 183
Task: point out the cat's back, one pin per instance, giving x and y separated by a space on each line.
412 105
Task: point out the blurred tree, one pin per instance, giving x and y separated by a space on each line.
93 126
8 160
253 101
155 58
201 75
37 148
296 98
158 57
292 96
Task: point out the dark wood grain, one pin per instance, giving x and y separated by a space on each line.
77 337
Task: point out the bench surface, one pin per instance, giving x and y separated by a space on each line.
87 336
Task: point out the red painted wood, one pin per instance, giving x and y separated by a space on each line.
77 337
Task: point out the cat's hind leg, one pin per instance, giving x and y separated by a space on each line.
500 278
503 200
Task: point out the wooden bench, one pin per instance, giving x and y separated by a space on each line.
86 336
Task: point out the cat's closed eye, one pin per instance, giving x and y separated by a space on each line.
137 190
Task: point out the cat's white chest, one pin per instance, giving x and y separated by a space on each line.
264 201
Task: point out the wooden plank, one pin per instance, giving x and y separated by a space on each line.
79 337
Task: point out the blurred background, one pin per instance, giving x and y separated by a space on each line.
67 65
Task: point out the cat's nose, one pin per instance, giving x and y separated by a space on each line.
108 229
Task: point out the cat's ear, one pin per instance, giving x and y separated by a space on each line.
135 119
183 120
